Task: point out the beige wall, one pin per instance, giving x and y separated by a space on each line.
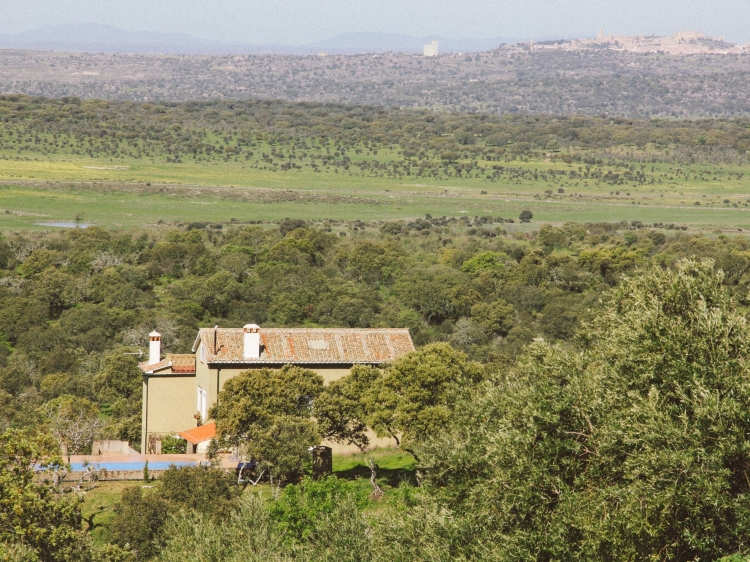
210 376
169 405
330 375
375 443
202 374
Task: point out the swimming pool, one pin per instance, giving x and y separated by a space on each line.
137 465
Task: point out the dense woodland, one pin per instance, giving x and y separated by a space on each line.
499 81
591 401
73 304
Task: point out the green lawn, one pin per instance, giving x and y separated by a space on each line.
98 506
394 468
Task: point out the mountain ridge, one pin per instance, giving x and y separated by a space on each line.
96 37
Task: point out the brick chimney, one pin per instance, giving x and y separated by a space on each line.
154 347
251 341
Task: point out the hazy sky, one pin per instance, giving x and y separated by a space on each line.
301 21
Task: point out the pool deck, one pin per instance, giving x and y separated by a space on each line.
114 457
123 473
119 458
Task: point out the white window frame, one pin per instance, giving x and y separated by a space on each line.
202 403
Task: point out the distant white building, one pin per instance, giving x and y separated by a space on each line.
431 50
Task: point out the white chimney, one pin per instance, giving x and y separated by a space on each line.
251 341
154 347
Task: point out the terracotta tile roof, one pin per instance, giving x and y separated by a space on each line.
179 363
146 368
307 345
182 363
200 434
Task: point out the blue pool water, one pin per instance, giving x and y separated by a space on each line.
157 465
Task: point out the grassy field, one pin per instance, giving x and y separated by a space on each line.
395 467
98 506
135 193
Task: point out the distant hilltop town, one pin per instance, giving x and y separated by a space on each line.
680 43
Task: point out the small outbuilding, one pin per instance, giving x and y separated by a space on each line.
199 437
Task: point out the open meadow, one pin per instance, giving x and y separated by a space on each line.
120 164
136 194
132 193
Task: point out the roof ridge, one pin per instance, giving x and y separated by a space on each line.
318 329
307 345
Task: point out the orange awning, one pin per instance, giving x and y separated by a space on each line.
200 434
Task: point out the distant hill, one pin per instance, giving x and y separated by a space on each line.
95 38
355 43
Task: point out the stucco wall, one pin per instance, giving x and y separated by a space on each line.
202 373
375 443
171 404
328 374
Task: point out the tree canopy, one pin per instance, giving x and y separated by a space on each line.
268 414
36 522
416 395
630 448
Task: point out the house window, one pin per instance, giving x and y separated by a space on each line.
202 403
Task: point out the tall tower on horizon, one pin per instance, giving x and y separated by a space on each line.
431 50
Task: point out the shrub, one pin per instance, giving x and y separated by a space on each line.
299 508
206 489
139 521
391 228
172 445
140 516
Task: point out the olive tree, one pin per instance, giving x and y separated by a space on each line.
74 421
35 522
632 446
341 409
